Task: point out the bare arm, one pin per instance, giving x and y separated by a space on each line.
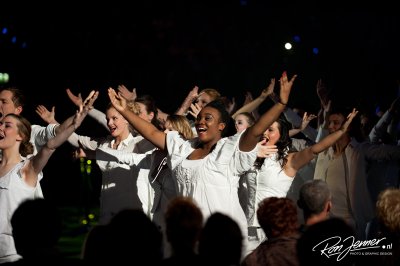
146 129
253 105
38 162
301 158
252 135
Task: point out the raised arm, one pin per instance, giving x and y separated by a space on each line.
253 105
252 135
146 129
304 123
38 162
192 95
97 115
301 158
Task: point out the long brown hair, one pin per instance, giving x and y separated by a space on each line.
24 129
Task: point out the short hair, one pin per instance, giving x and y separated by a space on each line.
18 96
388 210
313 196
221 240
277 216
184 221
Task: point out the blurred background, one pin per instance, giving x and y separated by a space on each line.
164 49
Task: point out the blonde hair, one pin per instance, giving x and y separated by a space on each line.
181 124
388 209
213 93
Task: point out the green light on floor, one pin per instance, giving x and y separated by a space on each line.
89 161
91 216
84 221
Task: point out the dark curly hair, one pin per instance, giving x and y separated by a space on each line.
284 143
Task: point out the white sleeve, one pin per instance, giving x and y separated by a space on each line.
40 135
99 116
86 142
129 158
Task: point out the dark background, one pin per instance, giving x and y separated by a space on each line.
165 49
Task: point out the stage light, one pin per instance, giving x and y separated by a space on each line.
296 38
288 46
315 50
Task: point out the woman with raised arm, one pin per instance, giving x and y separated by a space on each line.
276 167
208 167
20 171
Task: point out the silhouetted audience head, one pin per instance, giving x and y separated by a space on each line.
134 239
277 217
314 200
221 241
313 245
36 228
184 222
95 248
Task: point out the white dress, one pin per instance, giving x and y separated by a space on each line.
269 181
212 181
123 186
13 190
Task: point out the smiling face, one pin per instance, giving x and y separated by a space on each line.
117 124
272 134
335 122
208 125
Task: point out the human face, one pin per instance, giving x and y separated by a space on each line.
241 123
272 134
143 112
117 124
203 100
335 122
168 127
208 125
7 105
9 133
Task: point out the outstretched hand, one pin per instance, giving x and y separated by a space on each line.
85 107
77 100
350 117
286 86
117 100
128 95
46 115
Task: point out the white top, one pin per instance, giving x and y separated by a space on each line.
212 181
268 181
13 190
123 186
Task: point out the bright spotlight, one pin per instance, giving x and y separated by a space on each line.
288 46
